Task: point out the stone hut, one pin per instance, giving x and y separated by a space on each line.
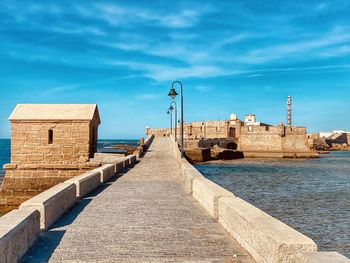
50 143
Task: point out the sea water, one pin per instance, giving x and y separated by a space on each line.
310 195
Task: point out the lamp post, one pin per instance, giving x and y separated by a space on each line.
171 120
173 94
175 121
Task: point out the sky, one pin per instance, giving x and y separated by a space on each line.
231 56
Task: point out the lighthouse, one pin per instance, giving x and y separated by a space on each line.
289 111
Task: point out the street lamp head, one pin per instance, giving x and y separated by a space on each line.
172 93
168 112
171 108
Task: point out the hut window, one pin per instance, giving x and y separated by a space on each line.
50 136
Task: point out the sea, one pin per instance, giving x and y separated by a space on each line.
310 195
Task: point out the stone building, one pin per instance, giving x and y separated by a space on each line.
49 144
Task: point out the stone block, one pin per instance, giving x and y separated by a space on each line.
208 194
10 166
198 155
106 172
126 162
189 173
119 166
132 159
86 182
104 158
52 203
321 257
18 232
264 237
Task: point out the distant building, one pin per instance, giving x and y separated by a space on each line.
249 119
336 137
253 138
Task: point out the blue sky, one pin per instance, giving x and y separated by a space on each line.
231 56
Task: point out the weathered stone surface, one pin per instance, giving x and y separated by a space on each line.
144 216
208 194
257 139
119 166
52 203
132 159
189 174
198 155
105 158
18 231
106 171
264 237
48 142
321 257
86 182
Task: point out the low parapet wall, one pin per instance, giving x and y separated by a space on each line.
20 228
264 237
140 150
18 232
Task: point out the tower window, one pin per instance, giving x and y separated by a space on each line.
50 136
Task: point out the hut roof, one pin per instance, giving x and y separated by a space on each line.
55 112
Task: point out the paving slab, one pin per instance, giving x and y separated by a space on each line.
145 215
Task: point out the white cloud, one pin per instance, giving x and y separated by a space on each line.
203 89
60 89
148 96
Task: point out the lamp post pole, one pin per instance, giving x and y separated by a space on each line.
170 111
175 121
172 94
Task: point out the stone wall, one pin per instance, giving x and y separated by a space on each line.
287 140
71 142
158 132
197 130
206 129
36 164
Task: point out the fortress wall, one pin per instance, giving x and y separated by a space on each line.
260 141
196 130
274 139
206 129
295 142
158 132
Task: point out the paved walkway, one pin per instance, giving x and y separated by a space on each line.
143 216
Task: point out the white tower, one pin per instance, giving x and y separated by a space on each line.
289 111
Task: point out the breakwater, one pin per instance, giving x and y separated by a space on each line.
310 195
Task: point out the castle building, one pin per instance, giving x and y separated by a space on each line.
253 138
50 143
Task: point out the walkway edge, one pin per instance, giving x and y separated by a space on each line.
264 237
